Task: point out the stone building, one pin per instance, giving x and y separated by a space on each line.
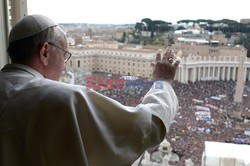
199 62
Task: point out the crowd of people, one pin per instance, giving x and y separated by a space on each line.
187 134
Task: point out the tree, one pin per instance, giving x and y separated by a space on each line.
170 39
245 41
228 35
180 28
146 20
139 26
123 39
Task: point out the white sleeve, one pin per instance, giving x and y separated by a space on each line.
161 100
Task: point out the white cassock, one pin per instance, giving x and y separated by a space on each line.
49 123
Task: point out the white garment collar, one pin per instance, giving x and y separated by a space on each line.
25 68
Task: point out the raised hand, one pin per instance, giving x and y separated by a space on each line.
165 67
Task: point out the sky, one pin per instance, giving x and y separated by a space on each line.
132 11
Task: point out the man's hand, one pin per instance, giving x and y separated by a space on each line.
165 67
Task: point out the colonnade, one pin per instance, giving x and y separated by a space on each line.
191 70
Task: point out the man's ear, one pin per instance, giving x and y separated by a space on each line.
44 54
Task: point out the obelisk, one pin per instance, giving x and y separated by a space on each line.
239 87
